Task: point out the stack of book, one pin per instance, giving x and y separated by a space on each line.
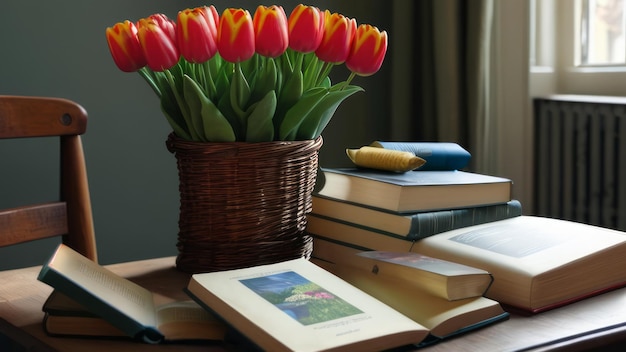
358 210
462 217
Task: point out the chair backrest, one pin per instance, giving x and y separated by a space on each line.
70 216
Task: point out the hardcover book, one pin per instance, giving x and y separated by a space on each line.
414 191
413 226
537 263
442 317
358 236
297 306
441 278
124 304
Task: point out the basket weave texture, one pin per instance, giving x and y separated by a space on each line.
243 204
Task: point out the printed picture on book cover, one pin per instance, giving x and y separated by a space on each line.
301 299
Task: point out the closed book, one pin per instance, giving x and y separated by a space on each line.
413 225
297 306
441 278
438 155
358 236
443 318
124 304
537 263
414 191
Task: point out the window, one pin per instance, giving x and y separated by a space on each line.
578 47
602 25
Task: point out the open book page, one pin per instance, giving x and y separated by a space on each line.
535 261
124 295
295 305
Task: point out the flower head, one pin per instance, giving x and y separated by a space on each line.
368 50
338 34
157 36
235 36
306 28
196 33
125 47
270 30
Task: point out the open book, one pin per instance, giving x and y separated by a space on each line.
297 306
125 305
443 318
537 263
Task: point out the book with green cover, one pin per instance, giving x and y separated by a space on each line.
413 191
413 225
124 304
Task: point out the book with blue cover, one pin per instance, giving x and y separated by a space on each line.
413 191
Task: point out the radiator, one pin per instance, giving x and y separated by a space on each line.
580 159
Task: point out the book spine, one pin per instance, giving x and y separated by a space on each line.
432 223
126 324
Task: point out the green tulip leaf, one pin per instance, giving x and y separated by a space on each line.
239 92
299 112
193 98
289 95
174 119
177 88
317 119
260 125
216 127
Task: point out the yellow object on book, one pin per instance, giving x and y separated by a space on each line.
385 159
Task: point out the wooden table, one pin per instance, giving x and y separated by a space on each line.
595 322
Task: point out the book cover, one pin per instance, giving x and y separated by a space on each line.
441 278
124 304
442 317
413 225
297 306
537 263
439 156
413 191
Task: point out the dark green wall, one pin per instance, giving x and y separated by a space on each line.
58 48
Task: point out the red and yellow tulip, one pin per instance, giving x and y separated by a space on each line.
213 86
196 33
368 50
338 34
235 36
270 31
306 28
125 47
157 36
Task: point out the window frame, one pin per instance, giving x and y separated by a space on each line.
555 67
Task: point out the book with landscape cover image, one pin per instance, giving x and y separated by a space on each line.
413 191
125 305
537 263
297 306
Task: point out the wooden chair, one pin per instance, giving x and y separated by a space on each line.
70 216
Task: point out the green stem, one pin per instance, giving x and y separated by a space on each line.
147 75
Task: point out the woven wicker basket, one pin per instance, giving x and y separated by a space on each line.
243 204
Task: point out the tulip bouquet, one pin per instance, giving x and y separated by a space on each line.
238 77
